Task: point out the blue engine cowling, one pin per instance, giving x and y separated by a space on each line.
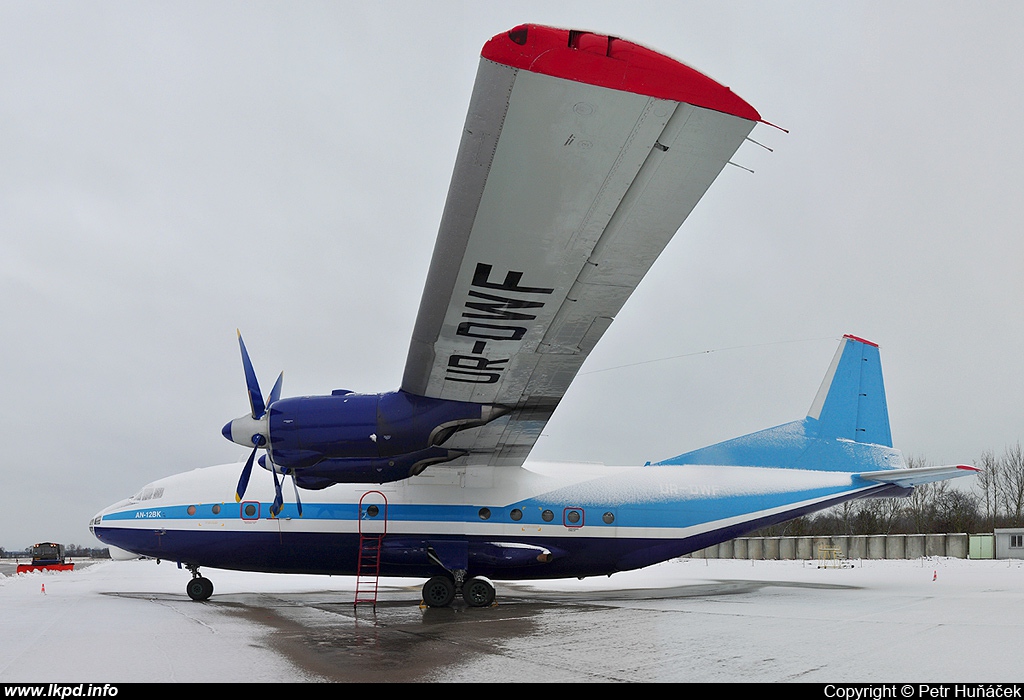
368 438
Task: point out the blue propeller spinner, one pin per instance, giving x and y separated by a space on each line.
254 430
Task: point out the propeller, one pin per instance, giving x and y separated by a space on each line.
254 430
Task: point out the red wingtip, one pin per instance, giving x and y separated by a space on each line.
967 467
607 61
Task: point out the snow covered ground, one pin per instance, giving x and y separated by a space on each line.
718 620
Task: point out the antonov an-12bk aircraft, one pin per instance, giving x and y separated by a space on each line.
581 156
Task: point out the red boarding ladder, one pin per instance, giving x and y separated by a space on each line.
373 526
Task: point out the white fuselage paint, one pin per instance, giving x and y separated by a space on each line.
645 503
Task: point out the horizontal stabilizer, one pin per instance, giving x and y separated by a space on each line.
921 475
794 445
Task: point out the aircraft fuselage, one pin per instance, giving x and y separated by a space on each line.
547 520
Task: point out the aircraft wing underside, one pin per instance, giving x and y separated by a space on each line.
578 163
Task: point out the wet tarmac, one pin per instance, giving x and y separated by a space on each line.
603 635
689 620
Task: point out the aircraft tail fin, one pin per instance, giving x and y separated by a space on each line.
851 401
846 429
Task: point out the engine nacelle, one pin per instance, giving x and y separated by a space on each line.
371 438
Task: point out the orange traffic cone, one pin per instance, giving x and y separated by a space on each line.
935 575
42 589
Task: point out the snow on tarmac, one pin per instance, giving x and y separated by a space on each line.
718 620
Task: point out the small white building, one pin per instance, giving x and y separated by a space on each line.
1009 542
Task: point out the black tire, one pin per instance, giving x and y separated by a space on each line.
200 589
478 593
439 592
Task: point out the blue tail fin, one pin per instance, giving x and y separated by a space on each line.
851 401
846 429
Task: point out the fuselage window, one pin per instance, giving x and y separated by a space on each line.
547 516
485 513
516 514
216 509
191 510
372 511
250 510
608 518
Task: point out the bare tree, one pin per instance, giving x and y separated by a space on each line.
885 513
917 507
956 511
847 514
922 504
987 483
1011 483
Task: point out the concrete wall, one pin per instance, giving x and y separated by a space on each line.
957 546
876 546
852 547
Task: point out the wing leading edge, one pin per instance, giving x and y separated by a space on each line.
580 158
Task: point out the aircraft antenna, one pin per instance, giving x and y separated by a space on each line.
770 150
707 352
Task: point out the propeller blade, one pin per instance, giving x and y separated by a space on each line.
252 385
275 393
298 503
258 410
275 507
243 481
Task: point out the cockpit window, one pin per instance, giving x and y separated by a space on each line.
149 493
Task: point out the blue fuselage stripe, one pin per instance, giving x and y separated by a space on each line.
675 513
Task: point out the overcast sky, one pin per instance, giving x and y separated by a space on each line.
170 171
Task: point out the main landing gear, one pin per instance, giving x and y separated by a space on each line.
440 591
199 588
